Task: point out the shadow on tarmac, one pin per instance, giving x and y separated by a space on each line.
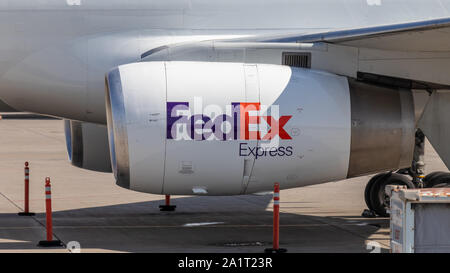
200 224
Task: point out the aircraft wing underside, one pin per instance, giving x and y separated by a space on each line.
417 51
423 36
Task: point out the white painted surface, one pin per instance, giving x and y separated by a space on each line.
320 127
144 90
215 164
318 102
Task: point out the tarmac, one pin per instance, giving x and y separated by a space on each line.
89 210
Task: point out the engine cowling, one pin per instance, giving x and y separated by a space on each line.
87 145
233 128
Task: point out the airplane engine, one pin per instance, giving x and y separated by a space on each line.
234 128
87 145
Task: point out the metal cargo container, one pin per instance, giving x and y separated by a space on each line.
420 219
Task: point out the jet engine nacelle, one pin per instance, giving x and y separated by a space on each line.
87 145
233 128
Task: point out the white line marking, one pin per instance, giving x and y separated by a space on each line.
202 224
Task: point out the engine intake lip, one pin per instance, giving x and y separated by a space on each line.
117 129
76 154
68 134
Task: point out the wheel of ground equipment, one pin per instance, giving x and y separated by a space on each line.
368 189
379 199
439 181
431 176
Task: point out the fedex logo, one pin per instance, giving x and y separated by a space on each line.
241 121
